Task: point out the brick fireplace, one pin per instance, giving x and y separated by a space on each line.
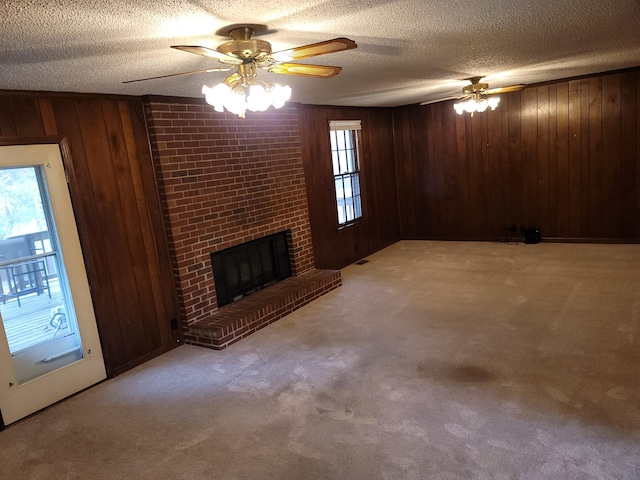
225 181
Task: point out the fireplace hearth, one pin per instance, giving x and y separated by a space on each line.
244 269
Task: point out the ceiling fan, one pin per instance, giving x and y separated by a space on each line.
476 97
242 90
245 53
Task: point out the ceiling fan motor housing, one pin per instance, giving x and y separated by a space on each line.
246 49
475 87
244 46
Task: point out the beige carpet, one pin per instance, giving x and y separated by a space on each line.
435 360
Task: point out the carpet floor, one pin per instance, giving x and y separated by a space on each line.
434 360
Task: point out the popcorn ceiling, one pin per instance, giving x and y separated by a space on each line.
408 51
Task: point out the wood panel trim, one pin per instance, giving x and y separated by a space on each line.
6 141
68 95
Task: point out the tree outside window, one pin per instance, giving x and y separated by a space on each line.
20 205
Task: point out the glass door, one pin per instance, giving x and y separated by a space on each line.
49 346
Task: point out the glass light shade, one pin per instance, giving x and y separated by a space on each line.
280 94
215 96
258 99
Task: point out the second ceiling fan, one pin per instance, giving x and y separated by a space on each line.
477 96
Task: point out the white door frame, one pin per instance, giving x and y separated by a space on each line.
19 400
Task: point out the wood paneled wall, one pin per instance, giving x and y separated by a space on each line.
115 199
333 247
563 156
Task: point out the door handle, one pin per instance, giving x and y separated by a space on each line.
57 356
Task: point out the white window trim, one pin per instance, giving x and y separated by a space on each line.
350 126
345 125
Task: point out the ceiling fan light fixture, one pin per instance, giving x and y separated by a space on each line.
237 97
476 104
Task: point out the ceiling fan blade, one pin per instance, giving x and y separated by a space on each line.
510 88
429 102
179 74
208 52
313 49
319 71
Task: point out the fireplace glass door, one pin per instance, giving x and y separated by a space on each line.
244 269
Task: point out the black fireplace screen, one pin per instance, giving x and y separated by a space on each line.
241 270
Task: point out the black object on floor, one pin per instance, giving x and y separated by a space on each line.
532 235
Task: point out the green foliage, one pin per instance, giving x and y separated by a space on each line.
20 204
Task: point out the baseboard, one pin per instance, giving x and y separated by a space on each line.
517 238
591 240
144 358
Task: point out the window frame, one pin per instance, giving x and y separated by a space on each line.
346 166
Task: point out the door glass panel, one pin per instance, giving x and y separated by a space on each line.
35 302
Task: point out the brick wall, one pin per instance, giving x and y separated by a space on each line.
225 181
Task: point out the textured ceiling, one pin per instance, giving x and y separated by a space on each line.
408 51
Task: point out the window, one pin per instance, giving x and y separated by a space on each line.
345 155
